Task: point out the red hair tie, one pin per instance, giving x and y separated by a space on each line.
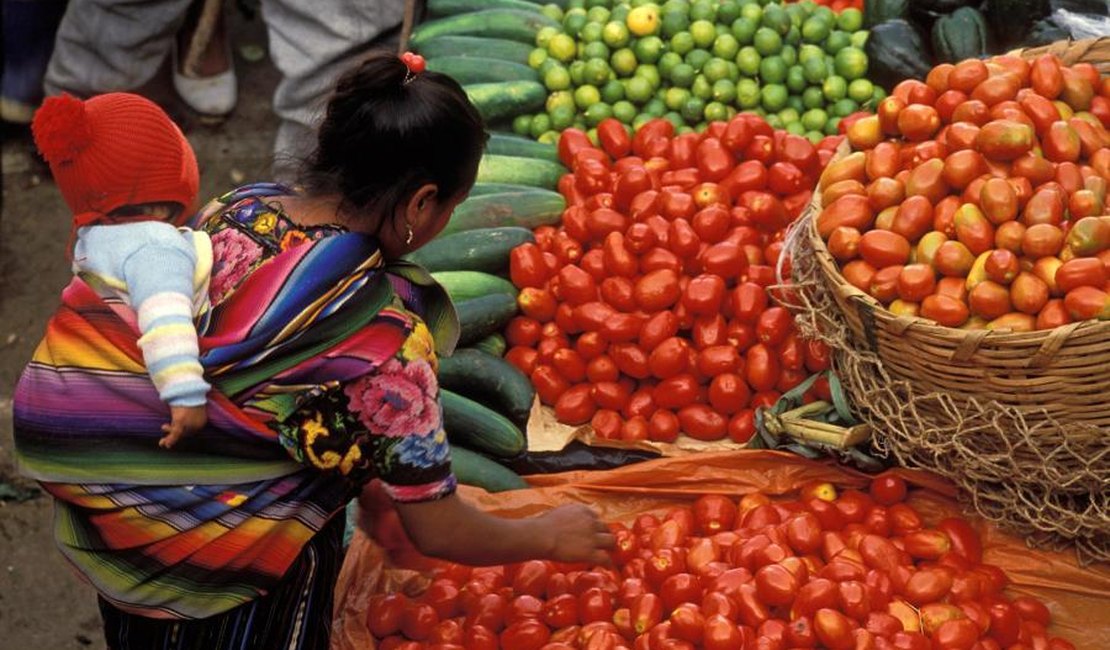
415 64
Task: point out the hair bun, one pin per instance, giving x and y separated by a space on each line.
61 129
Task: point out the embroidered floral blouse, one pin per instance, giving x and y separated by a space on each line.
387 424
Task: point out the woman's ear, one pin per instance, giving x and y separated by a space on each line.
421 208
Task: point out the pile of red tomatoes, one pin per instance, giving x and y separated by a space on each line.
978 198
847 571
646 312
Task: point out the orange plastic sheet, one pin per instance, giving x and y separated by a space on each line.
1078 597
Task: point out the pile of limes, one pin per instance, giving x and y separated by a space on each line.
799 65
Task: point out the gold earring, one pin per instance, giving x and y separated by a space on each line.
408 239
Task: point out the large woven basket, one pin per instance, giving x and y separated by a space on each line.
1021 421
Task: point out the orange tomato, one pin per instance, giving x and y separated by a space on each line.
1009 236
884 285
973 230
844 244
1002 266
1045 268
1061 143
915 282
927 179
973 111
927 247
882 161
888 110
953 259
913 218
955 288
989 300
946 311
1046 206
1081 272
1035 168
882 248
1004 140
1042 240
998 201
1013 322
1085 303
967 75
851 210
918 122
842 188
961 135
1052 315
859 274
962 167
1028 293
996 89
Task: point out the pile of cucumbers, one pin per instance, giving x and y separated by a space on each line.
486 400
484 45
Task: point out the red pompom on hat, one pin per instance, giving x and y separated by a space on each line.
114 150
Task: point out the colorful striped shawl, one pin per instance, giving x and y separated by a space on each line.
195 531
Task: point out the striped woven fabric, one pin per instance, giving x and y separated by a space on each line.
215 522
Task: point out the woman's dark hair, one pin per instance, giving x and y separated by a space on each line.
383 137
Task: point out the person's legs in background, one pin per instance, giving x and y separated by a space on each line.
312 44
28 29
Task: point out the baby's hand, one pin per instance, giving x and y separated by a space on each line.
577 535
183 420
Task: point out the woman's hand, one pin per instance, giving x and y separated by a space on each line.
576 534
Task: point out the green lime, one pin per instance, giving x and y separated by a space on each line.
682 75
595 50
859 39
795 79
612 92
549 137
675 118
676 98
559 98
693 110
794 128
577 72
625 111
844 107
733 70
598 112
724 91
767 41
540 123
815 30
598 14
591 133
815 137
837 41
752 11
543 37
637 89
597 72
667 62
643 20
536 57
649 72
557 78
774 120
773 97
548 64
623 62
878 95
832 127
815 70
747 93
562 47
860 90
814 119
812 97
835 88
591 33
674 22
789 54
807 52
776 18
715 70
698 58
793 36
648 49
747 60
850 63
772 70
641 119
615 34
701 88
743 30
850 20
562 117
586 96
522 124
716 112
703 32
552 11
788 115
574 20
655 108
682 42
620 12
726 46
703 10
795 102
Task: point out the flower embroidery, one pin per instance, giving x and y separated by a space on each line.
234 254
419 344
265 223
315 429
293 238
398 400
424 451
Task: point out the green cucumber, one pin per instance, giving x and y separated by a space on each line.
480 317
473 69
472 468
440 8
477 46
493 344
477 427
503 144
481 189
530 209
489 380
494 168
466 285
960 35
512 24
506 99
485 249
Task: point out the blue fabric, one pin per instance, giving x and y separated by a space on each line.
28 28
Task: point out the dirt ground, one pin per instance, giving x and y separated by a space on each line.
43 606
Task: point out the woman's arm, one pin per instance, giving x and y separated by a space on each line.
451 529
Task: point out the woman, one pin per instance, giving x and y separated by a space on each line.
321 349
